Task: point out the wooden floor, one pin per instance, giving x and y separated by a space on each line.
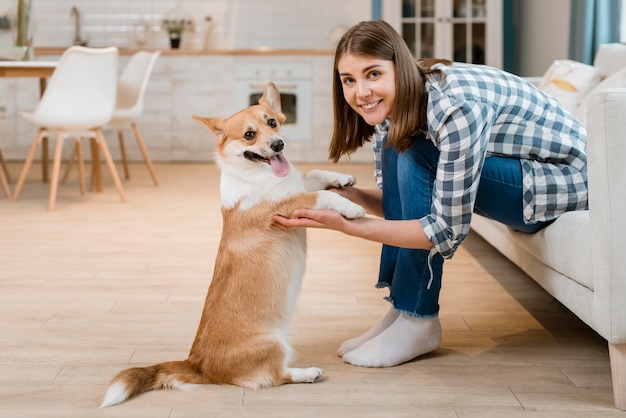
97 286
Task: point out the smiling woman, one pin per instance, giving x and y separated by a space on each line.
450 140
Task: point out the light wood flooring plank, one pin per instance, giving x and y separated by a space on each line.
97 286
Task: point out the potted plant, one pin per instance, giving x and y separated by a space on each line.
175 28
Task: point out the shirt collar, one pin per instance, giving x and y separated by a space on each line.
383 127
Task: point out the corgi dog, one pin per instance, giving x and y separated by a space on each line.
242 335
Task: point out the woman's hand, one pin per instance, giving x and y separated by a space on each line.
311 218
404 234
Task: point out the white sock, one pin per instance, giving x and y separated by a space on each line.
382 325
407 338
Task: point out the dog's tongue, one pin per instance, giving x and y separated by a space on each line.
280 165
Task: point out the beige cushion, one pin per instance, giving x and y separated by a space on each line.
610 58
569 82
617 80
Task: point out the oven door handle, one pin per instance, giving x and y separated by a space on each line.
280 86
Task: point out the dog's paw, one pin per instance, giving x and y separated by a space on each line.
331 200
308 375
315 374
353 211
344 180
323 179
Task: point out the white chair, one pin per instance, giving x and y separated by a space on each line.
131 88
78 101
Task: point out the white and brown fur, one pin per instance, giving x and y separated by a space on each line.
242 335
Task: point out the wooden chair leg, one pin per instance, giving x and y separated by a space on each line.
29 160
96 170
44 159
5 177
70 162
617 355
144 151
5 185
109 161
120 137
56 169
81 165
5 169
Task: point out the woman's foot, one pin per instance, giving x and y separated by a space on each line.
405 339
382 325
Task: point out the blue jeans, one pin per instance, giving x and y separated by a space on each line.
408 180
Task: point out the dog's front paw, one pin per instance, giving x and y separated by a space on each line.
344 180
352 211
331 200
324 179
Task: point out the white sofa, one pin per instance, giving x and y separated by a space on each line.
580 259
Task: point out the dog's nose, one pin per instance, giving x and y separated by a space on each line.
277 144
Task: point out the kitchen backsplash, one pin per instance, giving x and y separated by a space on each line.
219 24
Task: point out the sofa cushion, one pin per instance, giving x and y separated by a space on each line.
565 246
569 82
610 58
616 80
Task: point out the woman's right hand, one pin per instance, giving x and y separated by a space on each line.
311 218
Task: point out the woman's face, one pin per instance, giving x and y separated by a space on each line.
369 86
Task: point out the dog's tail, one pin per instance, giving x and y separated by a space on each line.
168 375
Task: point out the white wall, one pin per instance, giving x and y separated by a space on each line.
542 34
542 26
238 24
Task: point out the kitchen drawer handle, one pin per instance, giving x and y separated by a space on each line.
280 86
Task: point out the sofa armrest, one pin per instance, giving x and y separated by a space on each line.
606 148
534 80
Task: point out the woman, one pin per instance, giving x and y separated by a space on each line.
449 139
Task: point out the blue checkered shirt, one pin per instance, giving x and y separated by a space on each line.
480 111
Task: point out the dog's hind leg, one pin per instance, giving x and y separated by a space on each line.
308 375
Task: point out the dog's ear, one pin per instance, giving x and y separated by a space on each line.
214 124
271 98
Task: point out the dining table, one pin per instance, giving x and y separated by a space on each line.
35 69
39 69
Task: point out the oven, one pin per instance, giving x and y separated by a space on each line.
294 82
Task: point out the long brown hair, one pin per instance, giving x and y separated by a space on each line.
377 39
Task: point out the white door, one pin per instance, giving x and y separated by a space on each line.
460 30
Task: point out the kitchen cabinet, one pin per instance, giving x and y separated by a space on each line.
460 30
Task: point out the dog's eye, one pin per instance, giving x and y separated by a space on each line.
272 122
249 135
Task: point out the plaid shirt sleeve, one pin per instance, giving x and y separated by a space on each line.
478 111
462 141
